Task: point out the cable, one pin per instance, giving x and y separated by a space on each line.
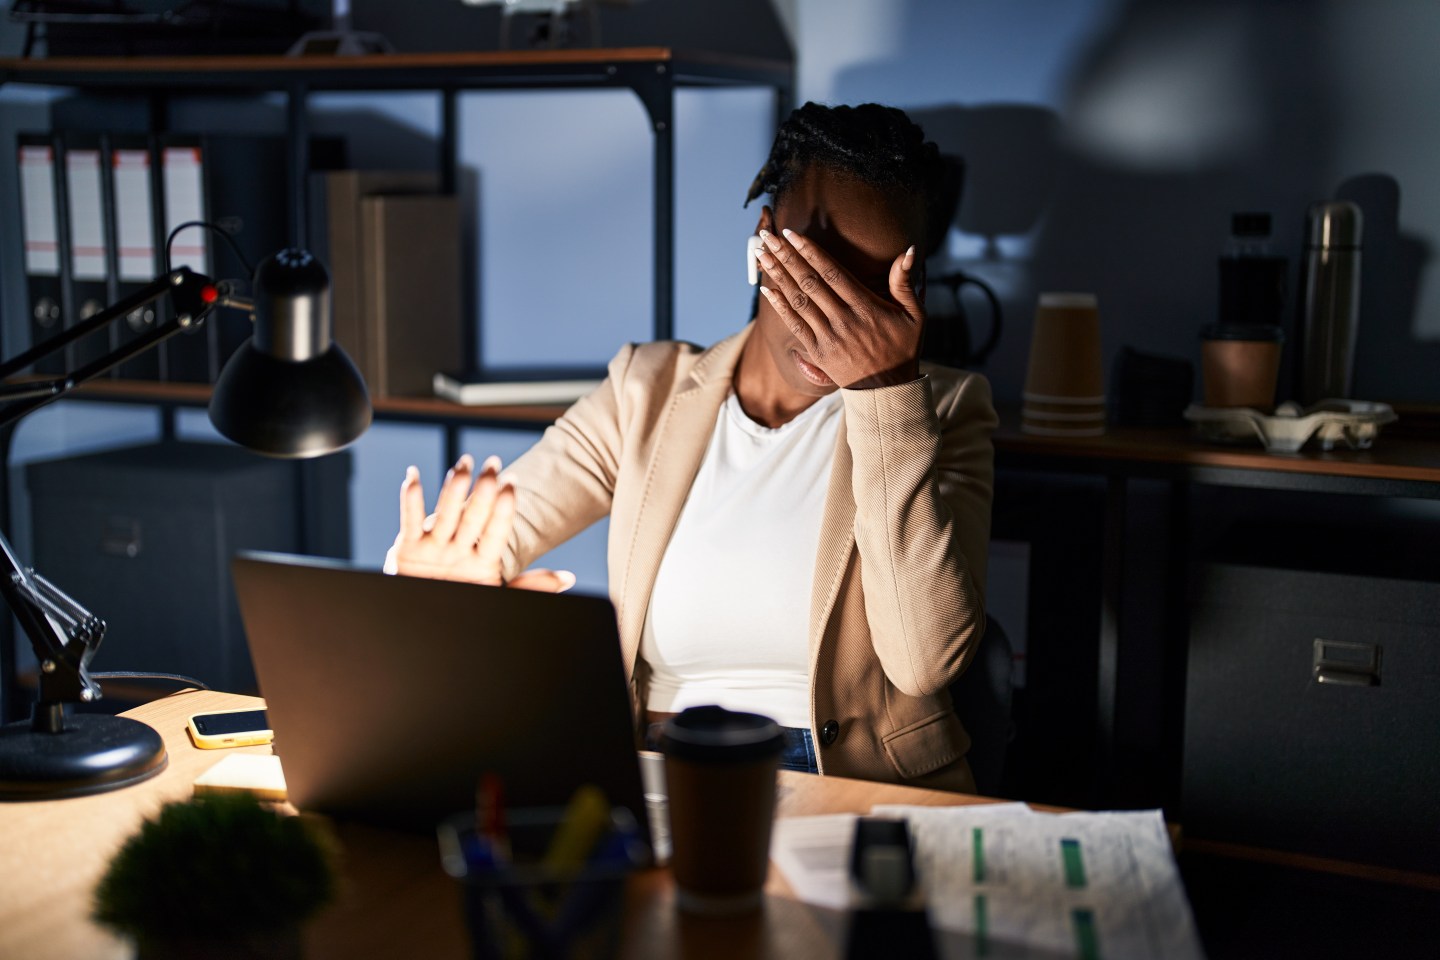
216 228
141 675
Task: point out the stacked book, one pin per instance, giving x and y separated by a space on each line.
393 247
514 387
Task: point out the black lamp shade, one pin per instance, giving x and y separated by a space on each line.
286 409
289 391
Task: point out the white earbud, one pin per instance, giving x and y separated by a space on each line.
752 260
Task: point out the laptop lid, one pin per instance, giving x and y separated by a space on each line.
390 696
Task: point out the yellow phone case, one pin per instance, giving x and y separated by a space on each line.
241 738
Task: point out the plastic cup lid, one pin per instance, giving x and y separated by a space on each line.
720 735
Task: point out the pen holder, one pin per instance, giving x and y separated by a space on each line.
519 906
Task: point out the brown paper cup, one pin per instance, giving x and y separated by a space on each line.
720 772
1065 380
1240 373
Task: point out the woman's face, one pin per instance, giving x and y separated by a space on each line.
860 226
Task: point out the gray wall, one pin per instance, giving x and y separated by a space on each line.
1165 116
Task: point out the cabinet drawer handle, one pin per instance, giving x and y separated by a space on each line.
1346 663
121 537
1347 678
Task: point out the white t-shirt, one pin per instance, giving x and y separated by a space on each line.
729 619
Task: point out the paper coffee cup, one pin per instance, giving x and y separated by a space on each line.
1064 392
720 769
1240 365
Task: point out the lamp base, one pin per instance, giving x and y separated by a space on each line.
93 754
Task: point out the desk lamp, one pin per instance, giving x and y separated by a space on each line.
289 391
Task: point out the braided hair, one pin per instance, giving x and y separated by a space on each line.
877 145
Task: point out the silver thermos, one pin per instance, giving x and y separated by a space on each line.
1330 301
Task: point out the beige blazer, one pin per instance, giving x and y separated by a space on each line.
896 606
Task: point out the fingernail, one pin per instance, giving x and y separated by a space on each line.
466 462
492 463
567 580
765 235
412 472
909 257
766 290
789 234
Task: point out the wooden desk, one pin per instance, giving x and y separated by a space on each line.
397 902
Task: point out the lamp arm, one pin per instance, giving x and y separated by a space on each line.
64 660
62 632
194 296
149 293
80 623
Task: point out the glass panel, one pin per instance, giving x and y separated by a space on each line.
723 137
565 256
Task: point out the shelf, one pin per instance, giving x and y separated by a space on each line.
517 68
1394 466
143 391
427 409
1397 460
434 409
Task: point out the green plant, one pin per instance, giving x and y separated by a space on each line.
217 868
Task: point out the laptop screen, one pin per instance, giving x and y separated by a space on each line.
390 696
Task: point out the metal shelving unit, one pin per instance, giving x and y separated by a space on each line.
652 74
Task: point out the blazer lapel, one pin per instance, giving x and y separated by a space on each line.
837 539
681 440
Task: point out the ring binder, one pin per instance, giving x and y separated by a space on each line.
134 245
40 225
190 357
88 251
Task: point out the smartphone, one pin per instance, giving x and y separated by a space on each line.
230 728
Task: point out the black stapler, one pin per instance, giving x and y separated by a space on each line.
888 916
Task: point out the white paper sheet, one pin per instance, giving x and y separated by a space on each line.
1085 885
814 852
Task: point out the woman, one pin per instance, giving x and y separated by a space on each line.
798 514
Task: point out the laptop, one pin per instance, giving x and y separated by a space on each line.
390 696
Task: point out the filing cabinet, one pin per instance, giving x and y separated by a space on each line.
143 537
1312 713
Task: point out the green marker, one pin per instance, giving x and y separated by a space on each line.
982 936
977 850
1087 940
1074 864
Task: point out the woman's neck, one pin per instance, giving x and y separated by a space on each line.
763 394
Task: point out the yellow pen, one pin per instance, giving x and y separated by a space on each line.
587 817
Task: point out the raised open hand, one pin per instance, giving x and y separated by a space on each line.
465 538
855 336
